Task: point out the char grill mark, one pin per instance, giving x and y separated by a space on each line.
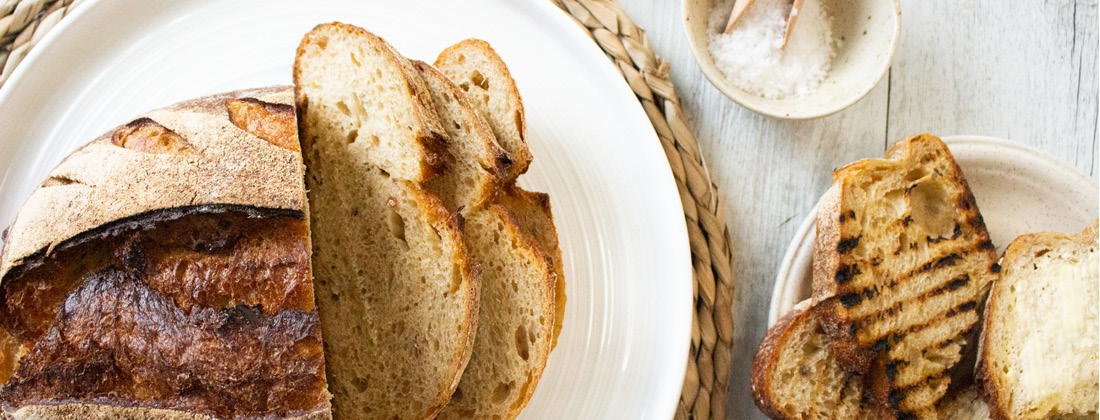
116 340
848 244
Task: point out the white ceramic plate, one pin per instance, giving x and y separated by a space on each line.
624 345
1019 190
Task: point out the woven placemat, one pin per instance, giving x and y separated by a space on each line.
24 22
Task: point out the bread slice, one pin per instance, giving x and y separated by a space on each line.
795 374
902 261
965 405
532 212
516 316
162 271
371 93
474 162
1040 341
475 67
396 293
515 328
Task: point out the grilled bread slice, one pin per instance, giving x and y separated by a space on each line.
367 89
396 294
516 316
162 271
1039 344
475 67
902 261
532 212
795 375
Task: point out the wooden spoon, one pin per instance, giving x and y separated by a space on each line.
739 9
792 17
742 6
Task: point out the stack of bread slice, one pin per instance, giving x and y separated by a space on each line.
434 299
902 266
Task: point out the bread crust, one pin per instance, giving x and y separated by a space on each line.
766 357
991 386
102 183
432 137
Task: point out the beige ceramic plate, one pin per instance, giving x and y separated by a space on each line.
1019 190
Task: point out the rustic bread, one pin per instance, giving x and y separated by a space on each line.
152 276
516 314
367 88
1040 341
474 162
902 260
795 375
396 294
532 212
475 67
516 320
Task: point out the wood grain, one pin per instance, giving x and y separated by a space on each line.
1032 77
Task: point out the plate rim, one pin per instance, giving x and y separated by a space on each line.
679 255
783 281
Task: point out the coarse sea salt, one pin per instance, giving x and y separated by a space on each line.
752 55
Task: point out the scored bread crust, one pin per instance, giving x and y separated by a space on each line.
992 386
101 182
430 136
835 238
204 164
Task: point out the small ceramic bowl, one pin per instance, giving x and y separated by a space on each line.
870 30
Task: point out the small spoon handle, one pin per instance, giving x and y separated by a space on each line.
791 20
739 9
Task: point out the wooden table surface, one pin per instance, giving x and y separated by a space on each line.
1024 70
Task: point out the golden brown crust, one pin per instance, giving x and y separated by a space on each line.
80 411
103 182
431 135
767 356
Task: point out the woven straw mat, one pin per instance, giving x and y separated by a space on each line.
24 22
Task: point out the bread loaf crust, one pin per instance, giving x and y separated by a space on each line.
187 162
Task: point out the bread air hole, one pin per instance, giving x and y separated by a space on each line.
503 391
352 135
926 201
396 224
479 80
523 343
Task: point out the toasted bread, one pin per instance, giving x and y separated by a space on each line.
902 261
1039 344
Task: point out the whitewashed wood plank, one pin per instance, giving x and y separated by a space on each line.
770 171
1019 69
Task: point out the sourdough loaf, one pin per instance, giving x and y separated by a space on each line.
902 261
1040 341
151 276
397 296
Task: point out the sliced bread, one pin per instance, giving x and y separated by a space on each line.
476 68
795 375
516 321
516 315
474 163
396 294
902 261
1039 344
532 212
372 94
